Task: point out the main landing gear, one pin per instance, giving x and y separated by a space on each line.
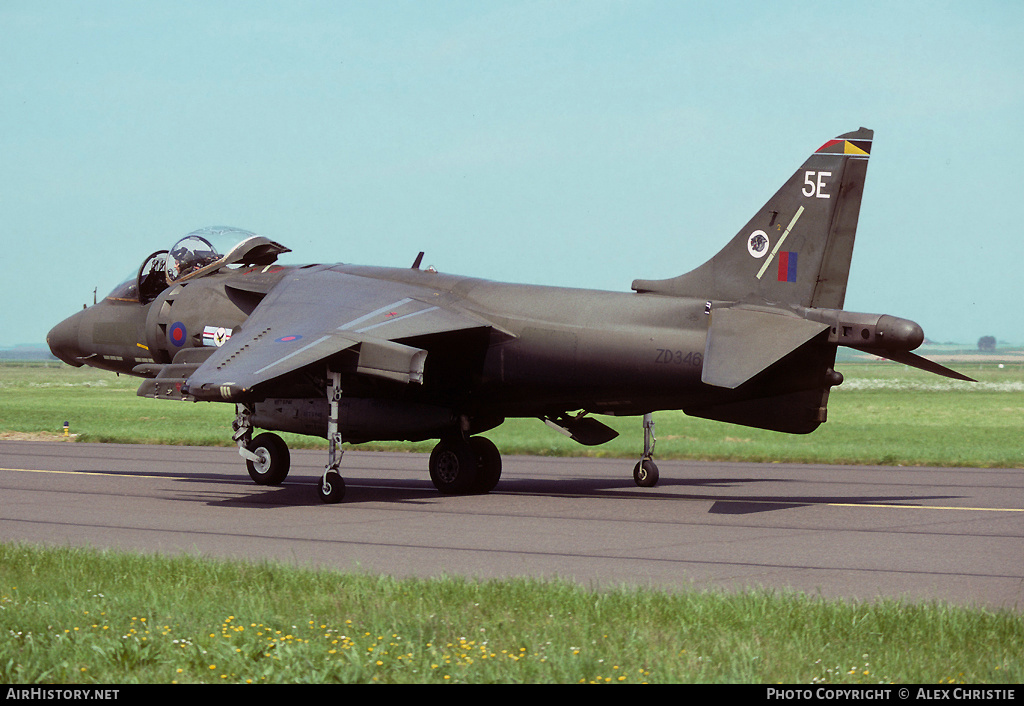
464 466
459 465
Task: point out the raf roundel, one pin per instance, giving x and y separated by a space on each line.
288 339
757 244
177 334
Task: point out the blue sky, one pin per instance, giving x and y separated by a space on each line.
576 143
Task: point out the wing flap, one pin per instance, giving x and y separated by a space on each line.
742 342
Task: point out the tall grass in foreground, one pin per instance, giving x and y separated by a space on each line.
81 616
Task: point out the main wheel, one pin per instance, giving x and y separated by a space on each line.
331 488
488 460
453 466
274 460
645 473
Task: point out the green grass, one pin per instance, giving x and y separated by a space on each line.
883 414
82 616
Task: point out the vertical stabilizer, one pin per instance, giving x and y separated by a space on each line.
796 250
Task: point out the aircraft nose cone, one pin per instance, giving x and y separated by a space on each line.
63 340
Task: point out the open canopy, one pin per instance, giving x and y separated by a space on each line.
211 248
201 251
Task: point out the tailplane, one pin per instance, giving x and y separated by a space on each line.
796 250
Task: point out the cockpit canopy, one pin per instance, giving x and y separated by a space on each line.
211 248
201 251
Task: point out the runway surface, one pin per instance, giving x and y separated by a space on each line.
950 534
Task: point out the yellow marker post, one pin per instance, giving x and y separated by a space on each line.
67 428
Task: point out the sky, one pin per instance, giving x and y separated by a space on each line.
583 144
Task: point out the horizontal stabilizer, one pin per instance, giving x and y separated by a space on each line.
916 361
742 342
584 430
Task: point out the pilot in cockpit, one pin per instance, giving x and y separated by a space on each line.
190 254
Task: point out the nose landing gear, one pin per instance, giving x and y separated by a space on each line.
266 456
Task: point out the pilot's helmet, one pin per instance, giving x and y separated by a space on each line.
201 249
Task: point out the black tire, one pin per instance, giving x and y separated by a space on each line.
488 460
331 488
453 467
645 473
274 463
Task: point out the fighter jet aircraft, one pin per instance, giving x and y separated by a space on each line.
359 353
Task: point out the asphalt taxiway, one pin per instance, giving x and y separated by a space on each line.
859 532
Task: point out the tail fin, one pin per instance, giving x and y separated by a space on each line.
797 249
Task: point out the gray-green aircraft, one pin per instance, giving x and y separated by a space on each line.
360 353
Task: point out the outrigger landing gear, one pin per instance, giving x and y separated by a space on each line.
332 486
645 473
266 456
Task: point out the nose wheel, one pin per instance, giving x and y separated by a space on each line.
266 457
272 460
332 487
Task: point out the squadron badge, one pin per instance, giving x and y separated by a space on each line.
757 244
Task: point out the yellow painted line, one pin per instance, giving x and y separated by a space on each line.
892 506
86 473
717 500
930 507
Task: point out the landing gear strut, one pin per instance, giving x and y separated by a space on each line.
266 456
332 486
645 472
459 464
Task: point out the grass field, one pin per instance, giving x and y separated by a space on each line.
80 616
883 414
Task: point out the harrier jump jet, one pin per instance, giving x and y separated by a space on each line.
359 353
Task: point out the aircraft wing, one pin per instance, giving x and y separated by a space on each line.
315 314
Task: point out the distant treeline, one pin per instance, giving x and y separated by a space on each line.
26 353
